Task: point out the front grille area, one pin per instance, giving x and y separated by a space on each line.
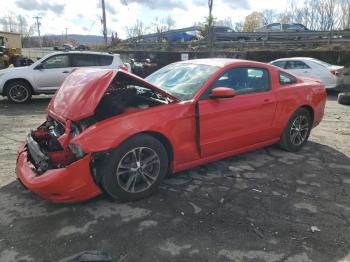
36 156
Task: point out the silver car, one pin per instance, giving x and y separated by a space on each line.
279 27
46 75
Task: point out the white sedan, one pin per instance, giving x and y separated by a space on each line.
329 75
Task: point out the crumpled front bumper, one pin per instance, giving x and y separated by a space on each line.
72 183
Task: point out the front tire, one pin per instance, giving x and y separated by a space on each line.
135 169
19 92
297 131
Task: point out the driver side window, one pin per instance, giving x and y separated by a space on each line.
244 80
57 61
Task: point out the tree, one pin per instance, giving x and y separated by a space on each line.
112 39
157 26
238 26
135 30
169 22
17 24
345 14
224 22
253 21
269 16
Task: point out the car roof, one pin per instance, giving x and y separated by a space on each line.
83 52
219 62
294 58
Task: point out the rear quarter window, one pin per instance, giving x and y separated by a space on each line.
296 65
85 60
286 79
104 60
280 64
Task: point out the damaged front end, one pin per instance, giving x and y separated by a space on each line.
47 146
48 166
50 163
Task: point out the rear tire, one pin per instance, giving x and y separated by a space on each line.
297 131
135 169
344 98
18 92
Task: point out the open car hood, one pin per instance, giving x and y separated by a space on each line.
83 89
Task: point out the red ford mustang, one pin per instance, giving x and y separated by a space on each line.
109 130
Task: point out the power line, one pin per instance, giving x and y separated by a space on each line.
38 24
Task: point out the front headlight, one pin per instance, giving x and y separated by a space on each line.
77 151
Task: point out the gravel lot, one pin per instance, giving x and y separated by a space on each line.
259 206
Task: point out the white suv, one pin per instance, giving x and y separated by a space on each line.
46 75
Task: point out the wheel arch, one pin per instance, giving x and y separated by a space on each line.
282 125
161 138
310 110
164 140
99 158
9 81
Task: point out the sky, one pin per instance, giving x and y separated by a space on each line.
84 16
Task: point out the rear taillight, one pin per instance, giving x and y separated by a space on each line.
335 72
123 67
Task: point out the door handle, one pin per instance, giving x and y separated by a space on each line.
66 72
266 100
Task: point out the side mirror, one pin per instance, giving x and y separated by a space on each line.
222 92
39 67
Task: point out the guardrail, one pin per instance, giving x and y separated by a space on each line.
274 43
316 36
301 35
242 43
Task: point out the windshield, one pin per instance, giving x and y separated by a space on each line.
181 80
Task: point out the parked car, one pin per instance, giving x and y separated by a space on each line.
82 47
64 47
181 36
329 75
20 60
46 75
279 27
111 131
222 29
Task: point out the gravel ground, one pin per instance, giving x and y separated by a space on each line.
266 205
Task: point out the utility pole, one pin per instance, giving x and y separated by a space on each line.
66 32
104 22
38 24
210 26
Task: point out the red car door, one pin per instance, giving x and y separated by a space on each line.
227 124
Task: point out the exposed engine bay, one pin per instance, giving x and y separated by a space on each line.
45 150
119 100
46 146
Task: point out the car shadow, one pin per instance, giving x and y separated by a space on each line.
263 204
39 102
